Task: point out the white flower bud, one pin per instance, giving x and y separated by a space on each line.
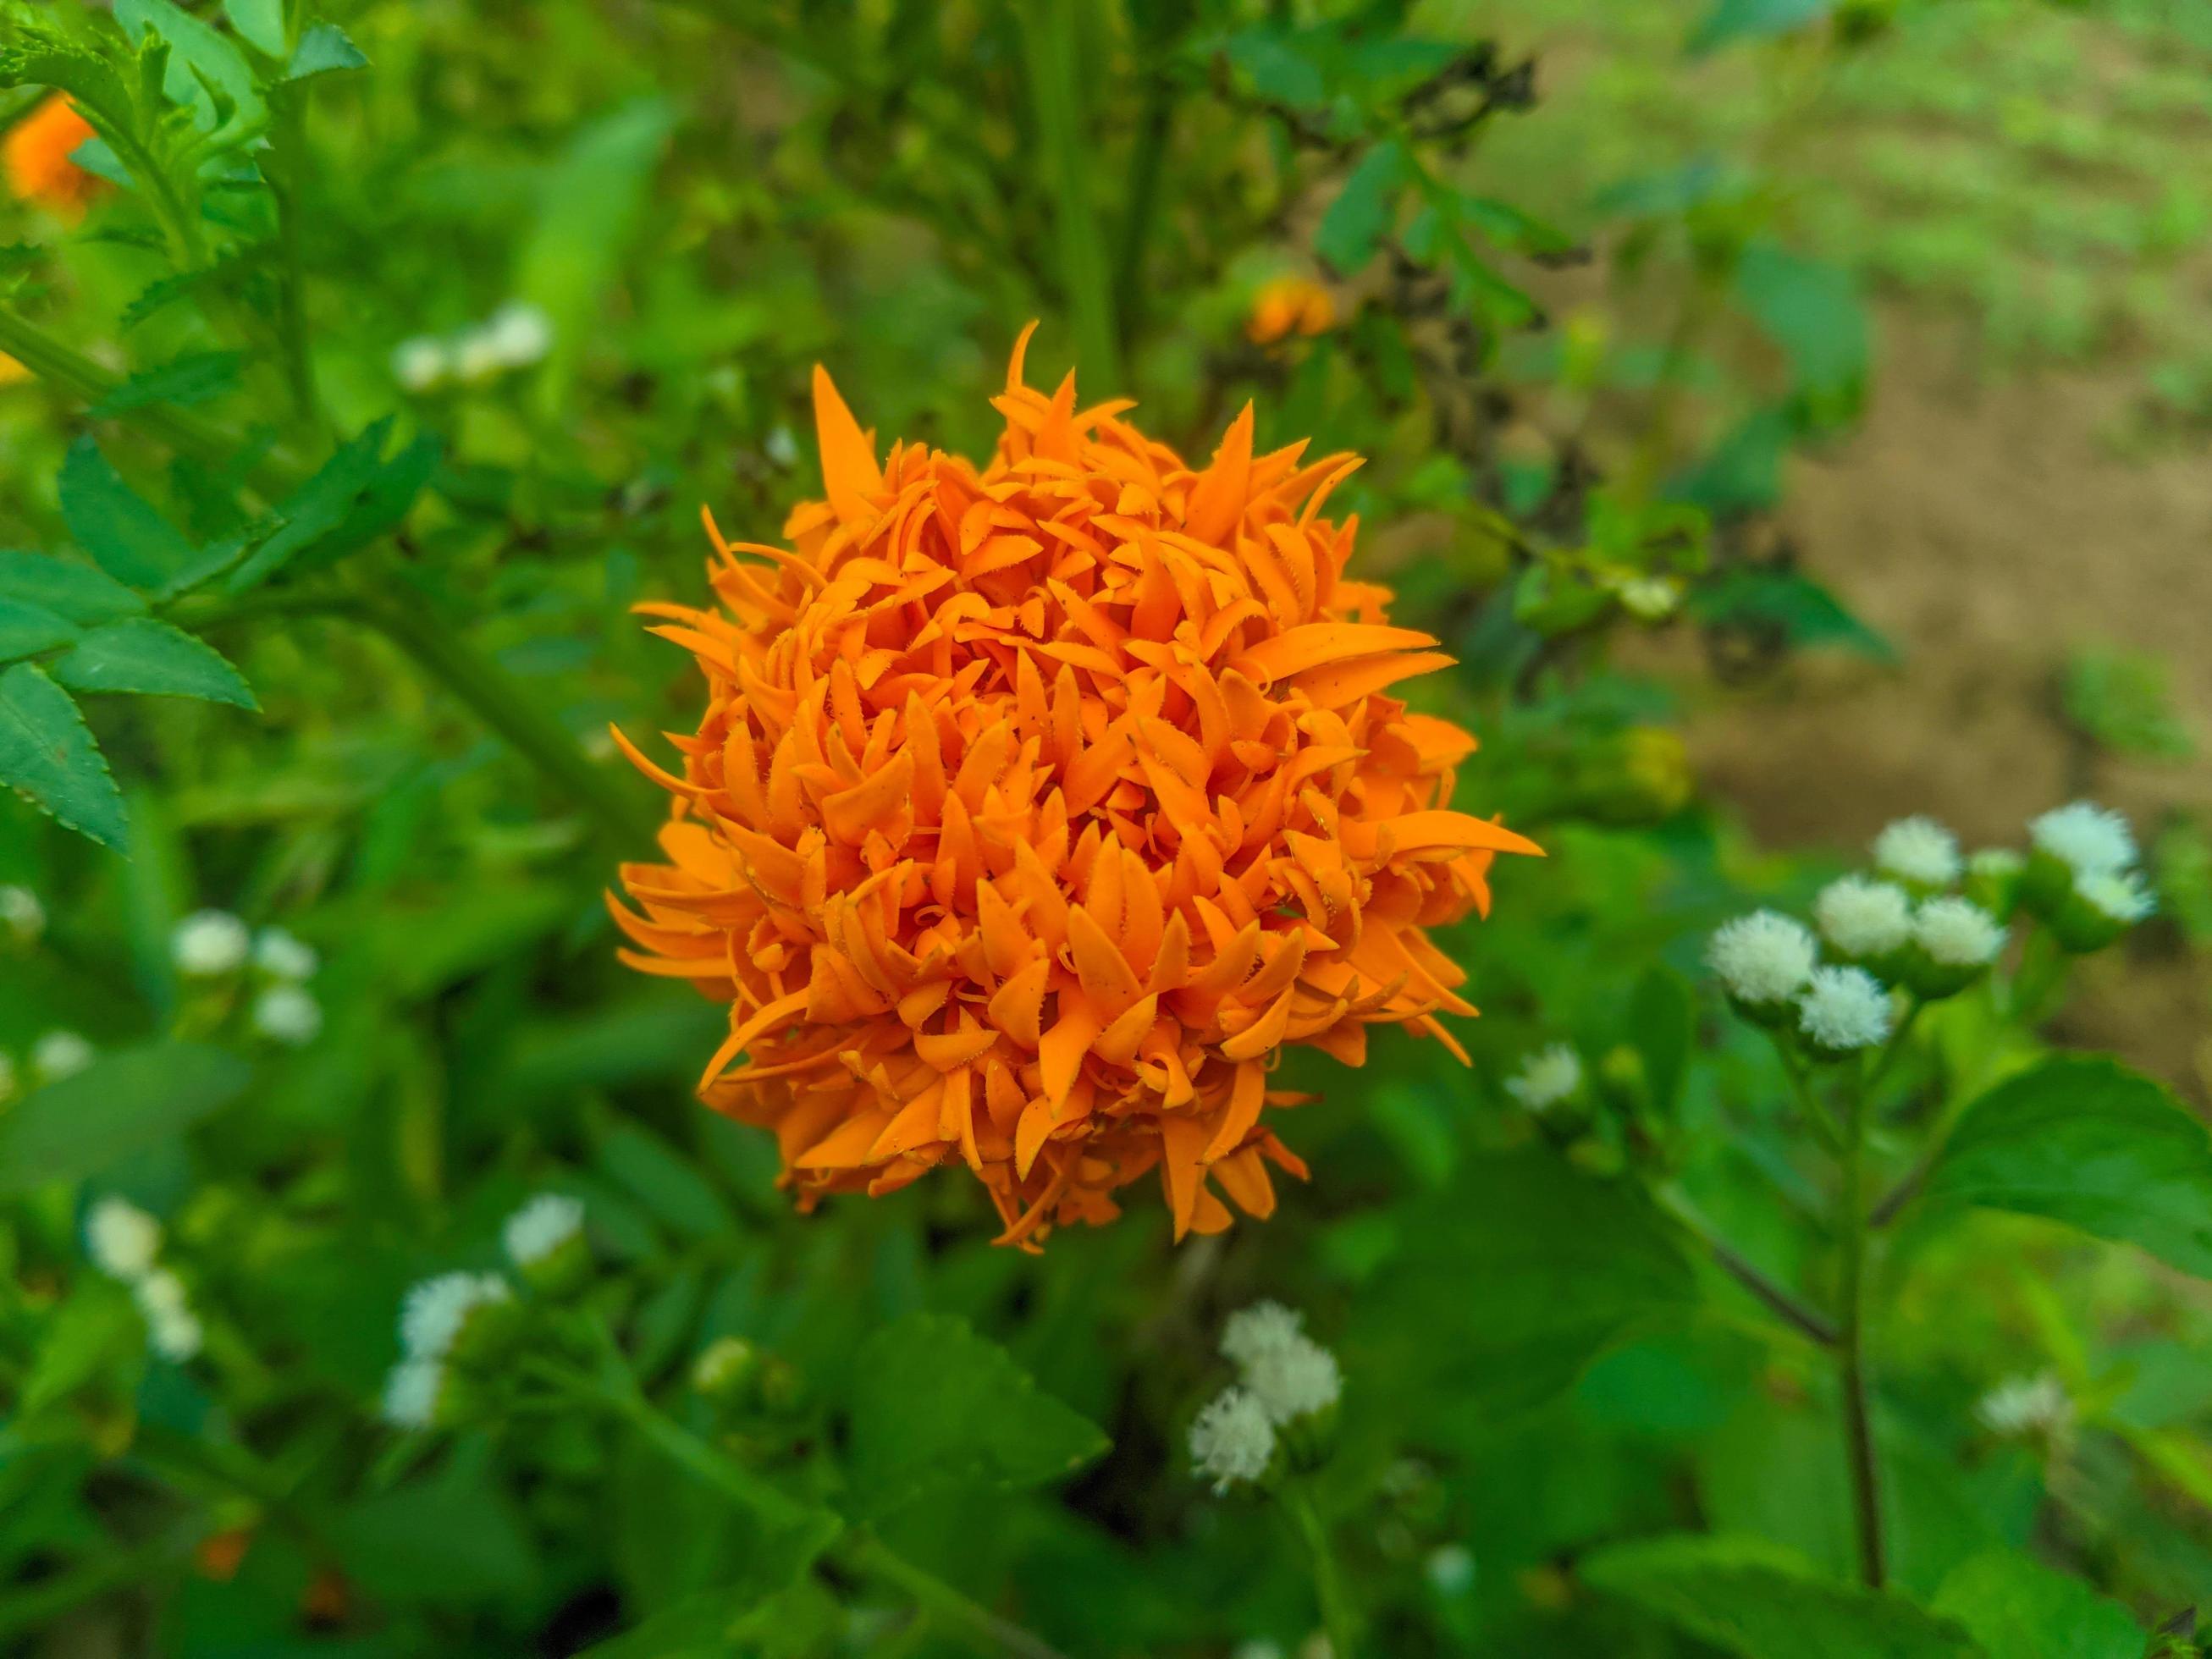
420 364
209 944
433 1315
1233 1439
542 1226
1864 919
518 334
22 918
1294 1379
1763 958
60 1054
2090 839
170 1321
410 1393
1259 1329
2121 898
1956 933
1546 1078
289 1015
2024 1406
279 955
1918 850
121 1238
1843 1009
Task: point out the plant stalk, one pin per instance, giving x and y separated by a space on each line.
1052 31
1851 1350
1792 1311
1337 1617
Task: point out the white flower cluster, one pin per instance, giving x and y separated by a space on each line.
541 1227
1283 1375
516 336
125 1242
2026 1406
1843 1008
1957 932
1763 958
2088 839
1862 918
209 944
286 1012
1918 850
1546 1078
431 1320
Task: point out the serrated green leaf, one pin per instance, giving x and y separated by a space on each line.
1364 209
78 591
122 1102
27 630
934 1406
319 507
186 382
390 495
1748 1598
47 754
202 57
2086 1141
2018 1609
152 659
260 24
322 50
125 537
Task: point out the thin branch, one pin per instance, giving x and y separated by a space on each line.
1792 1311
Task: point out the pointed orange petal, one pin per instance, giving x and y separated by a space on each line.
850 473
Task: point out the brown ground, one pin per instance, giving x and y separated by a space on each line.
1986 530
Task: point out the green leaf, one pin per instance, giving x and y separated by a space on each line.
668 1188
206 68
1752 19
75 591
1364 209
122 1102
1508 1285
324 49
2086 1141
318 507
1796 608
260 24
1811 310
447 1539
126 537
381 507
1661 1022
153 660
26 629
2124 701
2018 1609
1749 1598
96 1330
195 378
47 754
935 1406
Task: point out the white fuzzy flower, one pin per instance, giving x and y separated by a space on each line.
121 1238
518 334
61 1054
22 918
1546 1078
541 1227
781 447
1920 850
2116 897
1844 1008
410 1393
477 357
2090 839
170 1321
1294 1379
422 364
1862 918
436 1309
1958 933
1762 958
279 955
2027 1405
1232 1439
1259 1329
1650 598
209 944
289 1015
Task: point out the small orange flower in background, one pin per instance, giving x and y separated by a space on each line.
36 155
1037 808
1290 305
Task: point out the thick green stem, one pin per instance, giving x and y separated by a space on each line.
1054 48
1337 1616
1851 1352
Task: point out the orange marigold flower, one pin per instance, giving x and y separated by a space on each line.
1037 808
36 155
1290 305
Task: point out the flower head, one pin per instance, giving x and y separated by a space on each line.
22 918
1918 850
1259 1329
36 156
209 944
1037 807
174 1328
411 1393
1843 1008
1957 932
1290 305
60 1053
2116 897
2090 839
287 1014
1232 1439
121 1238
1862 918
422 363
1547 1078
1295 1379
279 955
541 1227
1763 958
436 1309
2022 1405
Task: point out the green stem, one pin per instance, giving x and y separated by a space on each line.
1337 1617
1851 1357
1891 1049
869 1555
1807 1322
1808 1100
1138 215
286 175
1053 45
